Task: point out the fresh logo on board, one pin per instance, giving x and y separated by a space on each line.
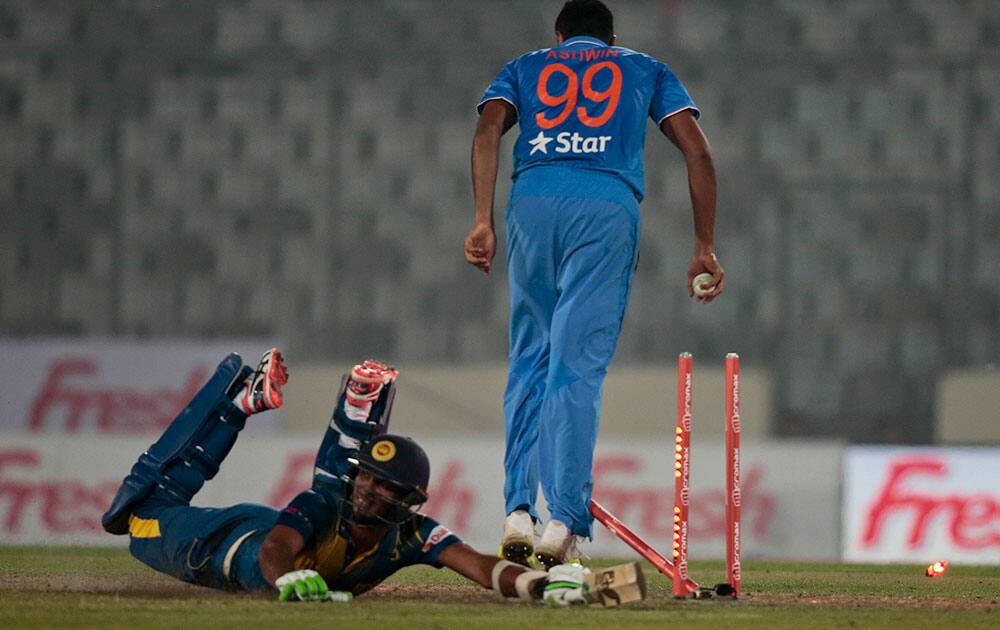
920 490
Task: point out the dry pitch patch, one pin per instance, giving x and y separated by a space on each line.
72 587
155 586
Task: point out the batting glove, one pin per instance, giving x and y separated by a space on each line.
306 586
566 586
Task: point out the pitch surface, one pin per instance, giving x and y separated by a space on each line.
80 587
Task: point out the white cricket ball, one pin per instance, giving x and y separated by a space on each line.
702 284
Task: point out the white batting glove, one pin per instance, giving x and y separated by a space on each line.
565 585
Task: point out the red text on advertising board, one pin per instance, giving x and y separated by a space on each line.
973 520
649 507
73 397
63 506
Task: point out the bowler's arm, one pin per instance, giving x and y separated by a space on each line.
684 132
497 117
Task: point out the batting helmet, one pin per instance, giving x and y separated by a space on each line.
402 463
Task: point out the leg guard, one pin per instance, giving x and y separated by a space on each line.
345 436
191 449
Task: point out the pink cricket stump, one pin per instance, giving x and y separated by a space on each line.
633 540
682 474
733 472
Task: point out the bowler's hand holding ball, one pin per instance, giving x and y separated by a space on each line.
703 284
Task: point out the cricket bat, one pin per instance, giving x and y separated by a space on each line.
613 586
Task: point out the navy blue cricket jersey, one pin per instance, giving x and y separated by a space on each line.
330 552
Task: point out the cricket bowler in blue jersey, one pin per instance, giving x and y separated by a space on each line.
357 525
572 230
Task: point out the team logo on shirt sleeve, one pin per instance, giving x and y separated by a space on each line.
438 534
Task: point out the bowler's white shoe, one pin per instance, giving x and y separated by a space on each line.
558 545
518 537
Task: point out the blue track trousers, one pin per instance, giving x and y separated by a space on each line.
572 246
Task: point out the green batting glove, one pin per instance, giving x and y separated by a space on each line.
306 586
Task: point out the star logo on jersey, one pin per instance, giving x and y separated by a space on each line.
540 143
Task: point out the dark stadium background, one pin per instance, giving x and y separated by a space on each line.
298 170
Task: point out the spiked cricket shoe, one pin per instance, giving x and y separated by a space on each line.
558 545
263 389
518 537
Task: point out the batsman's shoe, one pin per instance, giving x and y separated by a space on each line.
518 543
558 545
263 388
366 382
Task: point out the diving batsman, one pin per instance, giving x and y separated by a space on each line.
357 525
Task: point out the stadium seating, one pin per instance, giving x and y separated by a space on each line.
158 159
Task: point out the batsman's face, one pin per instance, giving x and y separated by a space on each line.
374 497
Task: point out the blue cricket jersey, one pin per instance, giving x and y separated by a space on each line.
584 104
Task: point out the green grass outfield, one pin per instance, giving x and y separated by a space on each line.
100 588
